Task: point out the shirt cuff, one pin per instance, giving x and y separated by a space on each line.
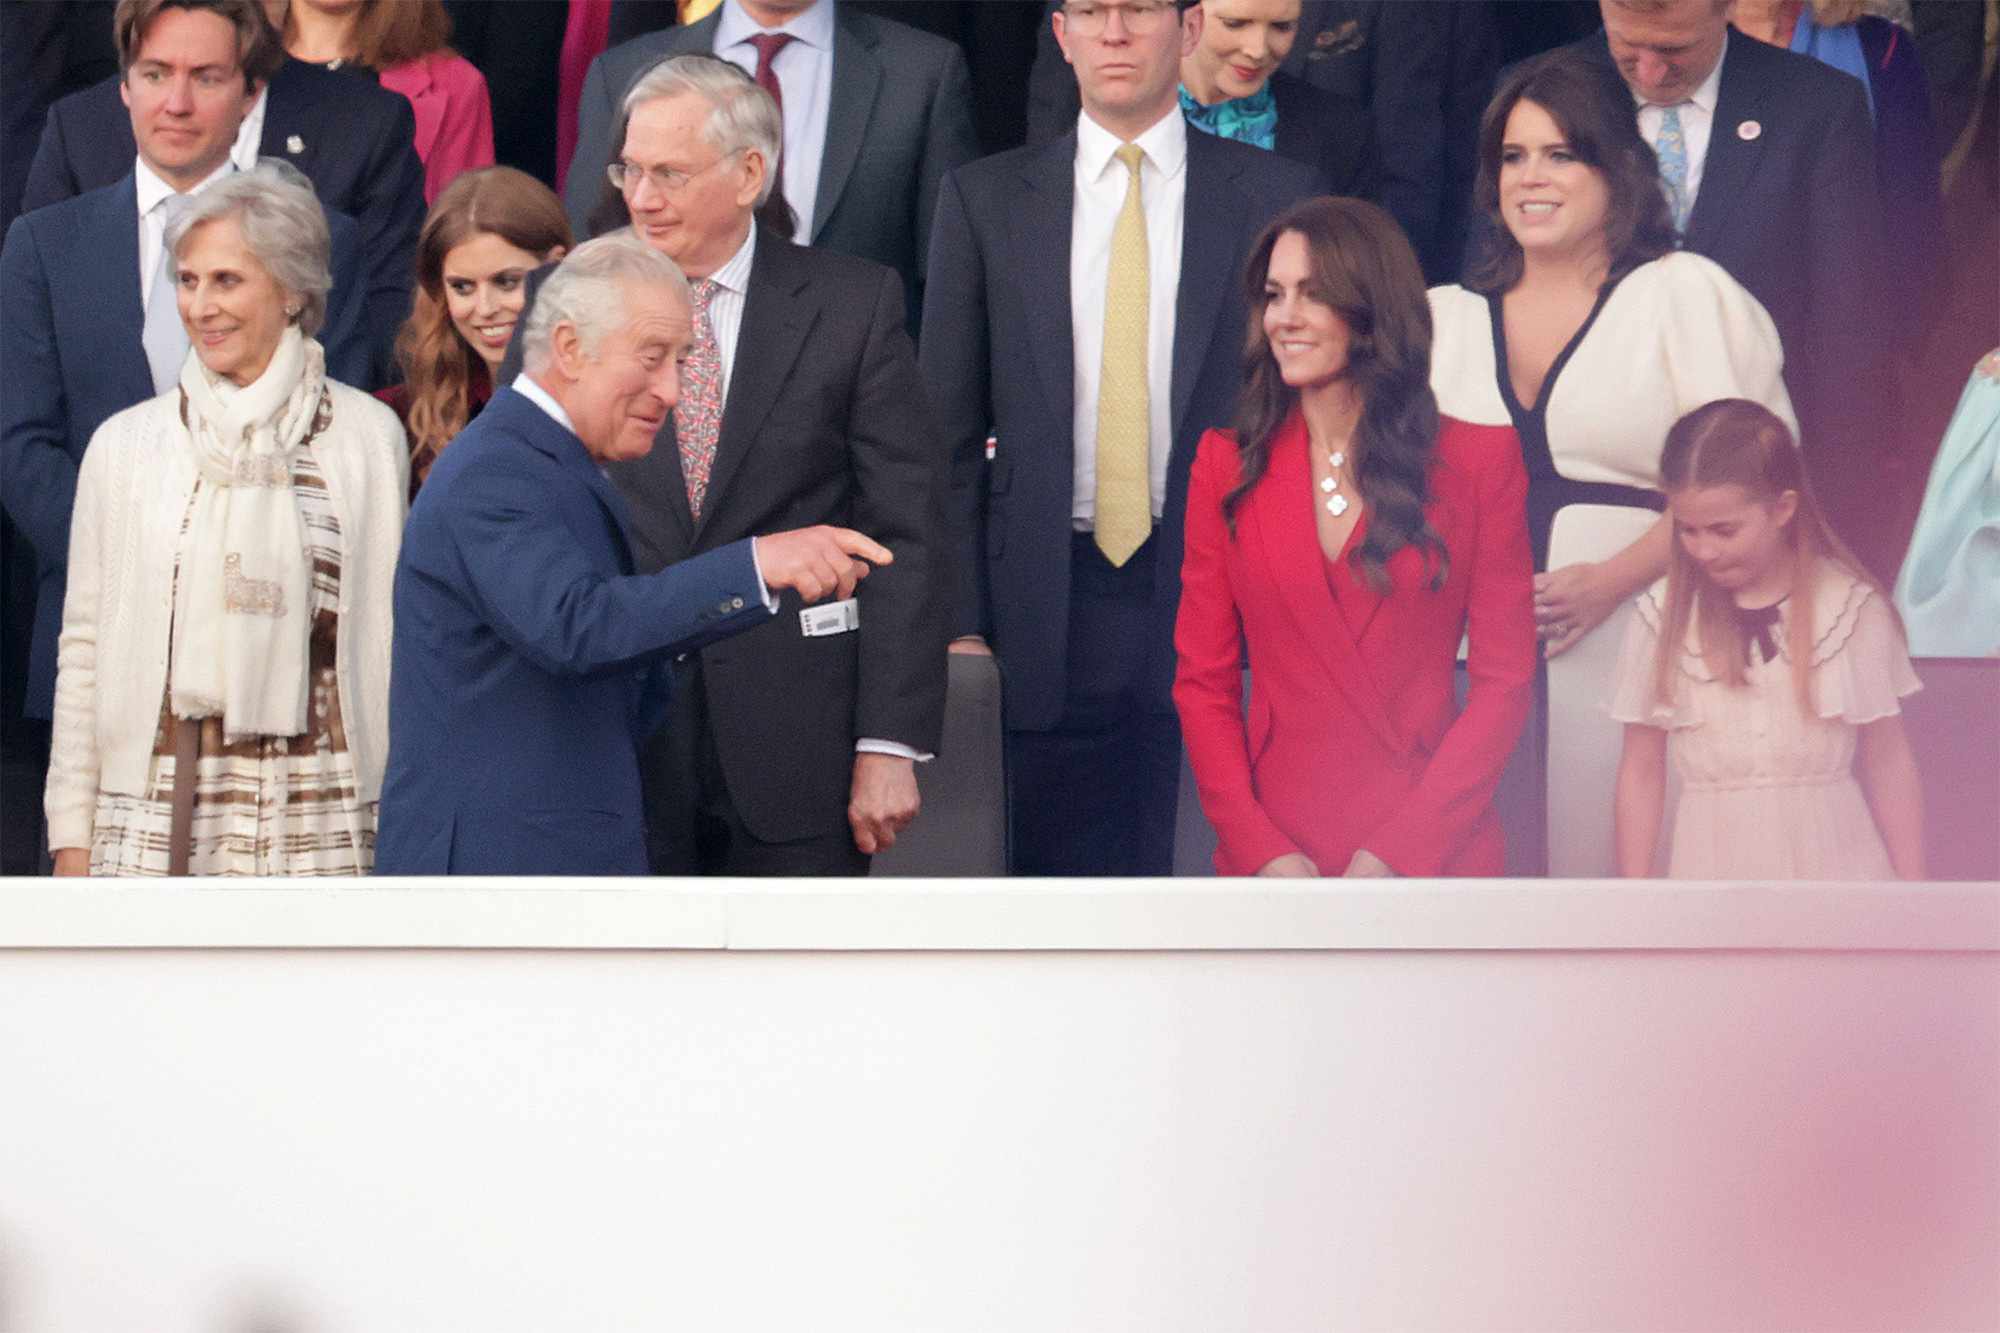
770 601
870 745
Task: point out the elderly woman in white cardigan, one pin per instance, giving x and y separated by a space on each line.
222 679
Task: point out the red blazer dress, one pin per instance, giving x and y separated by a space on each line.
1354 736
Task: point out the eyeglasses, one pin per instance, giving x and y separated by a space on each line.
1141 16
626 176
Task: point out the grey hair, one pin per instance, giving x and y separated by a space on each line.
741 115
587 292
283 225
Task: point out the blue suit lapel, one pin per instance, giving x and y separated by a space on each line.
543 433
1729 170
107 259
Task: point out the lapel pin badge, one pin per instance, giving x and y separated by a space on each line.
1749 130
295 145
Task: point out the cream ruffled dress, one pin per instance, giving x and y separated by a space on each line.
1768 792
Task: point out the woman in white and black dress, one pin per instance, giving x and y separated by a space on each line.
1582 326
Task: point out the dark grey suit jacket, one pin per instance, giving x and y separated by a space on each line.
902 94
998 358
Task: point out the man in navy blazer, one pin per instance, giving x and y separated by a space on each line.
70 276
529 658
354 140
1014 317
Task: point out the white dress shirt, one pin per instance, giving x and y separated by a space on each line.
1697 124
250 134
1101 183
725 306
153 194
805 73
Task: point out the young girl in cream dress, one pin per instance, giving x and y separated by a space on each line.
1769 668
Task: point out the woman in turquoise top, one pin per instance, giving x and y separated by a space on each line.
1231 87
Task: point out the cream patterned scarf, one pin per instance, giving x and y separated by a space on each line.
242 602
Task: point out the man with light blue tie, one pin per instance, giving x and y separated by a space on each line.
92 323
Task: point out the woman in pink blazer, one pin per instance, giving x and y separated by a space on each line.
1348 537
403 43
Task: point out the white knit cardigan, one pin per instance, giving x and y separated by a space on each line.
132 491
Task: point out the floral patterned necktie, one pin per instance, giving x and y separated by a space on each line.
698 415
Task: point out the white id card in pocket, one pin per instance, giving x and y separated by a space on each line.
833 618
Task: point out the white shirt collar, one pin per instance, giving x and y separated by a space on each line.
1165 144
250 135
814 27
151 189
1705 92
542 398
734 276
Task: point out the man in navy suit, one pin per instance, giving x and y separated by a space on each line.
1775 174
92 325
530 657
353 140
1020 353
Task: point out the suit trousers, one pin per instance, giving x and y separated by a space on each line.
692 825
1097 795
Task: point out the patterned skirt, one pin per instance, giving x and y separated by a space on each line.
265 805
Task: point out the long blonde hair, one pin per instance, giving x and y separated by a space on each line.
1735 442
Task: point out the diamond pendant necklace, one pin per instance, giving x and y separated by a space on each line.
1336 503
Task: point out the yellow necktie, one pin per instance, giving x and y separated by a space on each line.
1124 493
694 11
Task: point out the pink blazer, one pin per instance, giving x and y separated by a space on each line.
454 115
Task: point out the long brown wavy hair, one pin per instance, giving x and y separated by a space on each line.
1362 267
439 368
1735 442
394 32
1594 113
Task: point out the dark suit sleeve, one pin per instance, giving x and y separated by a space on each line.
539 593
50 178
1412 63
951 142
34 413
1430 828
346 335
898 482
596 117
389 209
957 368
1842 229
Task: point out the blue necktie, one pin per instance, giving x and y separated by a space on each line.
1671 148
164 337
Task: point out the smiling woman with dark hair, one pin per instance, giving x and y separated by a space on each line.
1350 536
1583 327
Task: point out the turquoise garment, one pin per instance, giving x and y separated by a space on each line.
1252 120
1949 590
1838 46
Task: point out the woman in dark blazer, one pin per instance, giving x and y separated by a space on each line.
1349 536
1230 86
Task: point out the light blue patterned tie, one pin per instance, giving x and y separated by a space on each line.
163 336
1671 148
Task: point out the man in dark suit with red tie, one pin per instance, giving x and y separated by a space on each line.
1084 322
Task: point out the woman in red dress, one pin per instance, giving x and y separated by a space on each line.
1348 537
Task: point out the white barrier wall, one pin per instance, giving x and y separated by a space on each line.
1035 1108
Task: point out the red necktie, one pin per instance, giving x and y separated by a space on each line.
768 45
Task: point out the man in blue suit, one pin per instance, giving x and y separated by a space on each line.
92 324
530 659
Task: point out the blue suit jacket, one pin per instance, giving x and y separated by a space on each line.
72 356
529 658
